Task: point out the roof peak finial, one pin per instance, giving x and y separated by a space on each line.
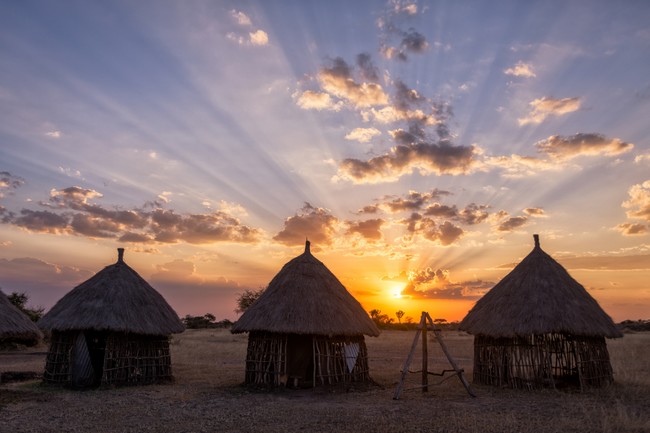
307 244
536 237
120 255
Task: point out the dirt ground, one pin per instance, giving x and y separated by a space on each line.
207 396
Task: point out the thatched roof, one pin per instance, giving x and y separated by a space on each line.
115 299
14 324
537 297
306 298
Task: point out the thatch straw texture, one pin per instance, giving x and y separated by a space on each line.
14 324
538 297
306 298
115 299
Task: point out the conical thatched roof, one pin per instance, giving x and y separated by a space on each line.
306 298
115 299
537 297
14 324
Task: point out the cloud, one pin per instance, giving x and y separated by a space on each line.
544 107
432 283
512 223
310 100
428 158
316 224
517 166
259 37
338 81
445 234
9 183
638 204
362 135
535 212
642 158
241 18
607 263
53 134
564 148
633 229
369 229
413 200
72 212
521 69
45 282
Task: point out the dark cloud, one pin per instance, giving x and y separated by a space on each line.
473 214
71 212
369 229
371 209
338 80
446 233
432 283
437 158
41 221
562 148
316 224
44 282
9 182
512 223
413 200
405 97
367 68
441 211
414 42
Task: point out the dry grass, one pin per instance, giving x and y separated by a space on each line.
207 397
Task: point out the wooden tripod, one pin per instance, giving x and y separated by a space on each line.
426 323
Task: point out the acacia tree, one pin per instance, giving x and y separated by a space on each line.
20 301
247 298
399 314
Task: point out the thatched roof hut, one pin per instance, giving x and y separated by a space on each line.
539 327
306 329
111 329
15 326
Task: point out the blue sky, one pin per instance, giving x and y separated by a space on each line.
418 145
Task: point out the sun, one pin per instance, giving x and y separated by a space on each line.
396 290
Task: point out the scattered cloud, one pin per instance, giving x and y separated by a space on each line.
427 228
368 229
338 81
241 18
521 69
71 211
535 212
362 135
9 183
633 229
427 158
644 158
512 223
316 224
53 134
432 283
544 107
564 148
310 100
638 204
259 37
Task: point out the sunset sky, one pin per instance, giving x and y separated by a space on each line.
417 145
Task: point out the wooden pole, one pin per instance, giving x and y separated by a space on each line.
425 355
452 361
407 364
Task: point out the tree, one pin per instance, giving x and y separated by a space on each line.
198 322
380 319
20 301
247 298
399 315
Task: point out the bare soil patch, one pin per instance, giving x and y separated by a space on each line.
207 396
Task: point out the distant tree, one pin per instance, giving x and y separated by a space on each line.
399 314
20 301
408 319
199 322
380 319
247 298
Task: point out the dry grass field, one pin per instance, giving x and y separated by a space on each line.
207 396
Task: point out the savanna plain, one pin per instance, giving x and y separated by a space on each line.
208 396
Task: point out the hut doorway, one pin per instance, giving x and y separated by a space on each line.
300 360
96 342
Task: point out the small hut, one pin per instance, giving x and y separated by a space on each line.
538 327
112 329
15 326
306 329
